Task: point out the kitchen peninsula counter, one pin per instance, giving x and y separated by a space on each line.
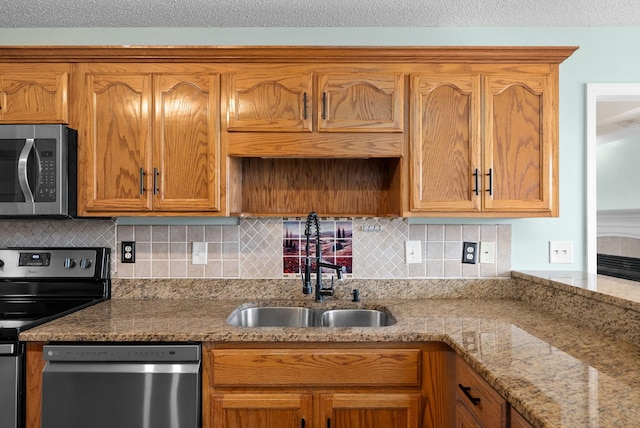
552 369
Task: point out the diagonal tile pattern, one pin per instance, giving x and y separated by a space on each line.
254 248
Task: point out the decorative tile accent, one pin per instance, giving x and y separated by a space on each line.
336 242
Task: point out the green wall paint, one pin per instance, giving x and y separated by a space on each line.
606 55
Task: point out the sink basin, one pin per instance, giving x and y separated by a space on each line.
355 318
272 317
294 316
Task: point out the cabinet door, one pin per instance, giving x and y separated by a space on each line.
114 144
276 99
464 418
445 143
186 142
518 421
34 93
521 156
479 399
370 410
261 411
361 102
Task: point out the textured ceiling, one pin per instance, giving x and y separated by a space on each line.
326 13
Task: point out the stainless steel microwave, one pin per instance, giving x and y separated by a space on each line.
38 171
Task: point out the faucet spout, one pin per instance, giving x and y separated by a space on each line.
320 289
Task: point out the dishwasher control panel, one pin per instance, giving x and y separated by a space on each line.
122 352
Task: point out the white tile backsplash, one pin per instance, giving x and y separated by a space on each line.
253 249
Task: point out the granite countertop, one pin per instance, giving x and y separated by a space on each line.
553 370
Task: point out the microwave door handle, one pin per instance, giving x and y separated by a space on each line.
22 170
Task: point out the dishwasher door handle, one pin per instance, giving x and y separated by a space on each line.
121 368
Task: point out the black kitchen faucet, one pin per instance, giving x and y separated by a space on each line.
321 290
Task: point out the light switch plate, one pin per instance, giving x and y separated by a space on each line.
412 252
199 253
560 251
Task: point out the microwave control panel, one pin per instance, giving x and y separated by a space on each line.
46 167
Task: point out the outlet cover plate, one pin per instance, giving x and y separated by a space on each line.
128 252
470 252
412 252
487 252
560 251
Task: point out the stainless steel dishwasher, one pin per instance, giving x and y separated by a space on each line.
121 385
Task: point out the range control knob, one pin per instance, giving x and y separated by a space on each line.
85 263
69 263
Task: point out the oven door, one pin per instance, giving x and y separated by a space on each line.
10 386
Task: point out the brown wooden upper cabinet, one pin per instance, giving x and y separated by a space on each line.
34 93
485 144
149 139
284 98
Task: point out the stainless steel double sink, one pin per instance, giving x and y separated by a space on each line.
296 316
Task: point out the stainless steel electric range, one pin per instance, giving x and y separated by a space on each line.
38 285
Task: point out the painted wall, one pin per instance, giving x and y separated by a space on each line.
605 55
617 164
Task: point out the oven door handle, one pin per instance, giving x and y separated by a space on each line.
7 349
23 177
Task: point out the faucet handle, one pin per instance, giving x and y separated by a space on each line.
328 291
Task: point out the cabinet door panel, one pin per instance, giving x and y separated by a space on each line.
116 147
186 143
445 147
361 103
370 410
261 410
34 93
464 419
519 143
269 100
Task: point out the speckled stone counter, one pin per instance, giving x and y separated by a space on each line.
554 371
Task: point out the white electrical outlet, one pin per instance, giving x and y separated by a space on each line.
199 253
560 251
487 252
412 252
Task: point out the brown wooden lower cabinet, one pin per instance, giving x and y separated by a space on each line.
327 386
478 405
365 410
293 410
386 385
518 421
464 418
267 410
